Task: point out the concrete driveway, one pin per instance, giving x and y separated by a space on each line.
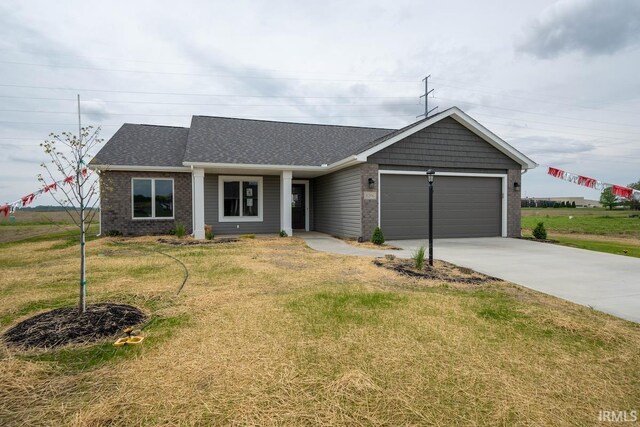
610 283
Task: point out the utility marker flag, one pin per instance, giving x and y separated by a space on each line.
618 190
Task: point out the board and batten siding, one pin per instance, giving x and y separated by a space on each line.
445 144
337 204
270 205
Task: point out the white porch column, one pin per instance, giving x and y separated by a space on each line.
285 202
198 203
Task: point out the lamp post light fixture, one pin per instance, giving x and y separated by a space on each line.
430 175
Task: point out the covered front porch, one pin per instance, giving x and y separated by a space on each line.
253 201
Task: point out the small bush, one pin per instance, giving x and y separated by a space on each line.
180 230
377 238
208 232
540 232
283 233
113 233
418 258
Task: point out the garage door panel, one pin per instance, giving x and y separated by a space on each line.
463 206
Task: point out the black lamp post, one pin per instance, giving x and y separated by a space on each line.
430 174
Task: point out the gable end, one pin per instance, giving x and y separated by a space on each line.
444 144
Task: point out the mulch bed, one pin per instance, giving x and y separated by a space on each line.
442 271
189 242
533 239
64 326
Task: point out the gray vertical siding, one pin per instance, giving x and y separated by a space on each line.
270 205
337 204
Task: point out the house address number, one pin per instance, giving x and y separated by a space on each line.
370 195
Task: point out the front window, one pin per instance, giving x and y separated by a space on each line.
152 198
240 198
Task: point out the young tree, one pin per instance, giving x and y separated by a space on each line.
608 199
573 204
78 194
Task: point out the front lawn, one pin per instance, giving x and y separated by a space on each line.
268 331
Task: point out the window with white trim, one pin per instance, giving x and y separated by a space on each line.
152 198
240 198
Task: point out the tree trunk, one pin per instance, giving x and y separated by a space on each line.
82 307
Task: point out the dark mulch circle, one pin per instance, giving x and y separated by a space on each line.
444 272
187 242
64 326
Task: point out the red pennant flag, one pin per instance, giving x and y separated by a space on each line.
69 180
5 209
587 182
621 191
556 172
49 187
28 199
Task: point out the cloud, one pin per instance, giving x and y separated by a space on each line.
593 27
96 110
554 145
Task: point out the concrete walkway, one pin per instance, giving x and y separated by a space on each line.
606 282
325 243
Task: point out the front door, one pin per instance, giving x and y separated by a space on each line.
298 203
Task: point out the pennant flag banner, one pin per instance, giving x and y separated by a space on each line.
7 208
618 190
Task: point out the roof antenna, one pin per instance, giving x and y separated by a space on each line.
426 98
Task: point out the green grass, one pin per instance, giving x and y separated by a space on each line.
602 223
70 236
73 359
572 227
601 246
328 312
9 317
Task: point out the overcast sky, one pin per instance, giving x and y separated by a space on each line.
556 79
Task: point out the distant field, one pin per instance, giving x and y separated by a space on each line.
35 218
616 232
526 212
584 221
30 224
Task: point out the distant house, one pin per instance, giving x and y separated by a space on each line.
254 176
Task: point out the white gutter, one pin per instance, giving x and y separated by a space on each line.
324 168
140 168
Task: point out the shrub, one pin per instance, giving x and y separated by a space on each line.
283 233
540 232
180 230
377 238
208 232
418 258
113 233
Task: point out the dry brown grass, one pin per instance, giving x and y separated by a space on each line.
277 334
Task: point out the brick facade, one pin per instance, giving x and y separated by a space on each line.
513 203
115 204
369 206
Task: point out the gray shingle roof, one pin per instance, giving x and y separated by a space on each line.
144 145
229 140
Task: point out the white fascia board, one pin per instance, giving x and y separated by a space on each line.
468 122
140 168
329 168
